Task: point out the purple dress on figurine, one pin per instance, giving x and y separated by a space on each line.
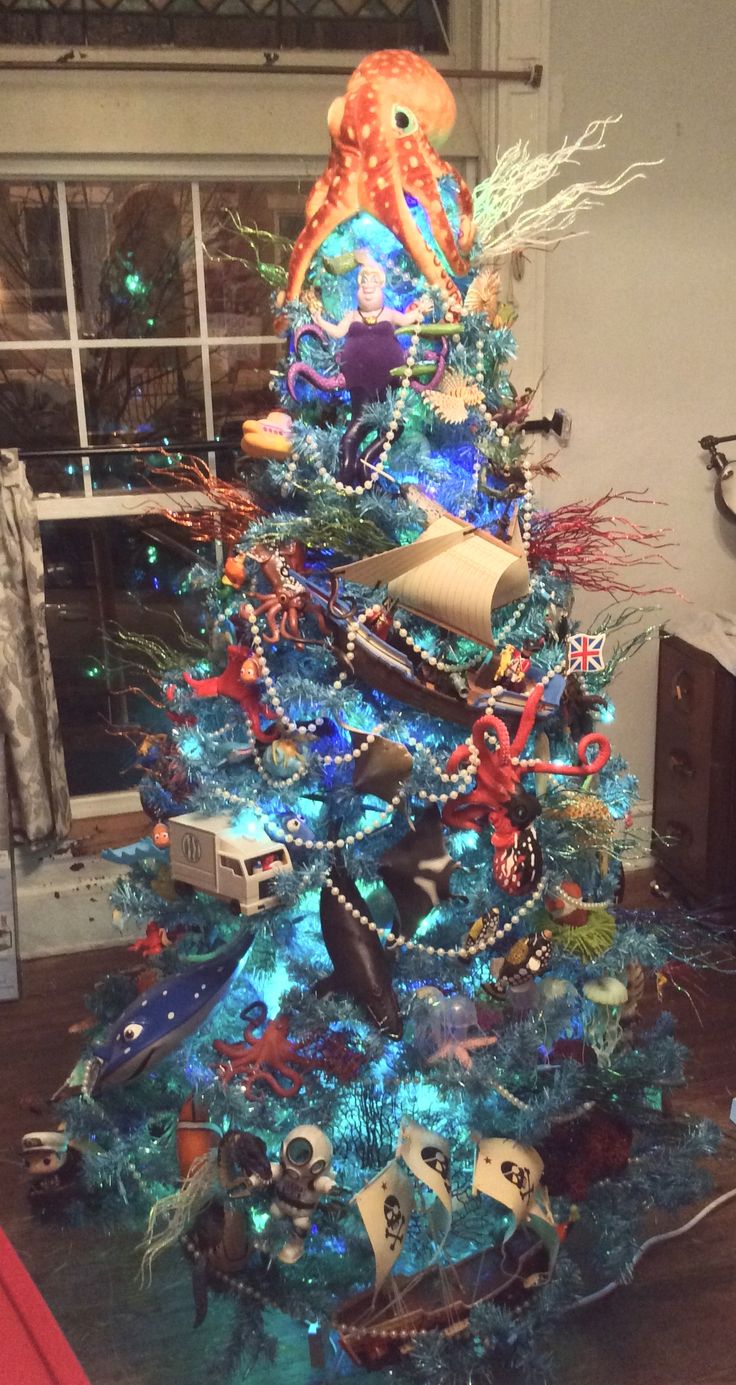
370 353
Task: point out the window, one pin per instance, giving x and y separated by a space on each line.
134 313
233 25
129 313
232 864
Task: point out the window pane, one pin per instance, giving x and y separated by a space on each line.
142 394
232 25
238 297
241 378
37 410
32 297
104 576
133 259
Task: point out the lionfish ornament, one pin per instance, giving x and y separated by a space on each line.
454 397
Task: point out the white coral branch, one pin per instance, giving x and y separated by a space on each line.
498 199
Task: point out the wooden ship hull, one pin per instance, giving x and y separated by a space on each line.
381 666
377 1331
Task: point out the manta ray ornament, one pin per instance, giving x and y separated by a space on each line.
157 1022
418 870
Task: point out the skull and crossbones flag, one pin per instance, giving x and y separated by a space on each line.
508 1172
428 1157
385 1205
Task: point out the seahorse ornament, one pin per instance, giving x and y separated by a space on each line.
395 108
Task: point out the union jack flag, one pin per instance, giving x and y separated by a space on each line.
585 653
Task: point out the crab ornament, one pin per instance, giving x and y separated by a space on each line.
300 1178
499 799
395 107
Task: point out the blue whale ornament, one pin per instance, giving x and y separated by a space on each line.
157 1022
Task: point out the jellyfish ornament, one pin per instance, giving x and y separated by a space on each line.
605 996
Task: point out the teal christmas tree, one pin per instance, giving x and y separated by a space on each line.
382 1068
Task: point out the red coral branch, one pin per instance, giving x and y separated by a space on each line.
232 509
589 547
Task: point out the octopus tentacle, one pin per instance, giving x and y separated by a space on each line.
299 370
326 218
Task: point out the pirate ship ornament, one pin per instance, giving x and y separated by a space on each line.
378 1327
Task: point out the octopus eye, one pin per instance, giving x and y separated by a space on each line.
405 122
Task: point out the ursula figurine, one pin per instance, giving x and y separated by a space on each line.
369 355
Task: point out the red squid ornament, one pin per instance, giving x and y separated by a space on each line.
241 681
498 798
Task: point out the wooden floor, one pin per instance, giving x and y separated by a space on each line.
675 1325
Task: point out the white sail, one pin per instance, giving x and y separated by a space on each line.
385 1205
508 1172
428 1157
453 576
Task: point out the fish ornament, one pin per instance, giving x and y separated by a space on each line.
525 960
454 397
395 108
157 1022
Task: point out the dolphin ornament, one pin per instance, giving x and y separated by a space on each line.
157 1022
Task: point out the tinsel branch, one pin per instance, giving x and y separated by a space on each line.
517 174
587 546
231 511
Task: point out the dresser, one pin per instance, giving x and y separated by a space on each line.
694 821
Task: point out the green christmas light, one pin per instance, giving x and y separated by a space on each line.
134 283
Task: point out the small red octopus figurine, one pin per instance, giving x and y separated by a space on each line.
241 681
271 1058
498 798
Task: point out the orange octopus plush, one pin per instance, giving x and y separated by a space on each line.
395 108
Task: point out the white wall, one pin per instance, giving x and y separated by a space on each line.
640 331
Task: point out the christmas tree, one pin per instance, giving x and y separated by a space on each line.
383 1052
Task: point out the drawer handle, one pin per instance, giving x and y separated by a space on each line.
680 764
682 690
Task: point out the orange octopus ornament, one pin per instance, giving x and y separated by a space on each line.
395 108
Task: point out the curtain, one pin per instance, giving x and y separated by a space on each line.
29 717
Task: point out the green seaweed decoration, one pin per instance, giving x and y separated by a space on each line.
256 240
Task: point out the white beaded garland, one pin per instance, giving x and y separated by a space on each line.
398 939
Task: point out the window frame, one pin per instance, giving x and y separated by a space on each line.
94 504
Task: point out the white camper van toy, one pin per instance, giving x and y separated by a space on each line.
208 854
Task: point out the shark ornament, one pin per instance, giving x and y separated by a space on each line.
361 968
157 1022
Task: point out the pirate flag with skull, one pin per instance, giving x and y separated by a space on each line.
385 1205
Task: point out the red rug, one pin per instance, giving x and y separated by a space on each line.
34 1349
